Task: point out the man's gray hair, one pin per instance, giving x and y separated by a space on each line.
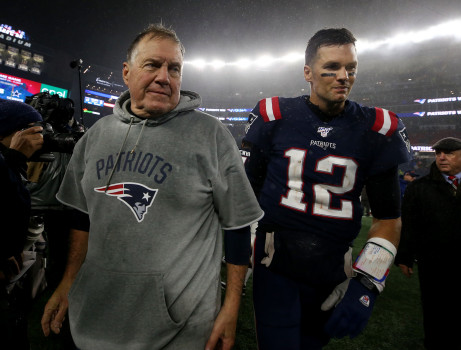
154 31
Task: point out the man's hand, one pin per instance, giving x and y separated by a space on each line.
407 271
27 141
55 311
223 334
56 308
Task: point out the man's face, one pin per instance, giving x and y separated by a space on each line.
331 74
154 77
448 162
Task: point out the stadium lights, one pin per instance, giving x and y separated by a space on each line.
198 63
447 29
243 63
264 61
217 64
293 57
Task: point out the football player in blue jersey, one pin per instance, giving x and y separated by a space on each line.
309 159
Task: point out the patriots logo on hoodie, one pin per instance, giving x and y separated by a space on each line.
136 196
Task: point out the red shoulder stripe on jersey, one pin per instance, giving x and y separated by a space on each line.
385 122
276 108
269 109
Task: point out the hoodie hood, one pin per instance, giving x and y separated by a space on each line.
188 100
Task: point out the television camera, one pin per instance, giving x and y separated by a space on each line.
60 130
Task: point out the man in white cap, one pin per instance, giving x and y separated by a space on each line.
431 224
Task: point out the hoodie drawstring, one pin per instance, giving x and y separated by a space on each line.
120 152
139 137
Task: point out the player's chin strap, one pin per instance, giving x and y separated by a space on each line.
374 261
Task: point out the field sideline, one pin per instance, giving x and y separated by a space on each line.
396 323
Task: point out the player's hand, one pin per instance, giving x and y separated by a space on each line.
55 311
28 141
353 304
224 329
407 271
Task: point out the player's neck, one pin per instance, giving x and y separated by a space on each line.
326 112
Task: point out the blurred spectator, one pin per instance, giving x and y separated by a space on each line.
44 181
405 179
18 142
431 223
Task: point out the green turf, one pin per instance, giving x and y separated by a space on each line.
396 323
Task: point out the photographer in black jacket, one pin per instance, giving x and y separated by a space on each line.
18 142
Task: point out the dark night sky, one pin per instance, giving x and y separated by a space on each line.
99 31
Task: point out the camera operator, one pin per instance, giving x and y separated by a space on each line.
46 170
18 142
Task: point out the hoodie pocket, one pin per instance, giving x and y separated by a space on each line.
120 307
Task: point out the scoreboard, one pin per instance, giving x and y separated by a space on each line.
16 88
16 51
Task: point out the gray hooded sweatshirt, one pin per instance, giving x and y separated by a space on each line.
158 193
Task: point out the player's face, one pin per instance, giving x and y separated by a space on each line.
154 77
448 162
331 75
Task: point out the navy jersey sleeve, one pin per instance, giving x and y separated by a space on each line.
255 166
261 122
392 146
257 141
383 192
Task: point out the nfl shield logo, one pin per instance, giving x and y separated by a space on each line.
323 130
365 300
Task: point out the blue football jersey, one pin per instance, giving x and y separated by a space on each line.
314 171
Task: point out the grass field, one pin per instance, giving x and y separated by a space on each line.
396 323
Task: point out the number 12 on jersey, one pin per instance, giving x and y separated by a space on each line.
322 193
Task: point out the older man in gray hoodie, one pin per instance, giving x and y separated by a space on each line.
153 185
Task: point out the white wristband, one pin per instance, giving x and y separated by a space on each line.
384 243
375 259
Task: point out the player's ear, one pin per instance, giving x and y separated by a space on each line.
307 73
